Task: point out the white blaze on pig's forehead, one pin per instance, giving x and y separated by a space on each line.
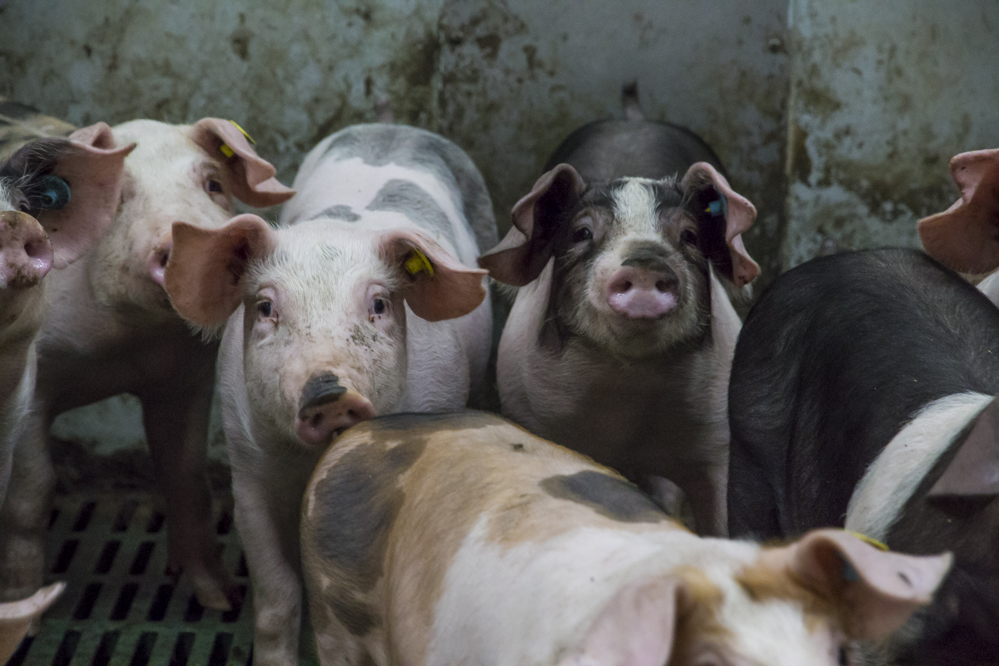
635 206
896 473
355 191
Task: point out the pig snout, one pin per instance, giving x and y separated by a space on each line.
645 287
25 251
158 259
327 409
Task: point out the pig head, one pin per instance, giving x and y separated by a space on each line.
323 318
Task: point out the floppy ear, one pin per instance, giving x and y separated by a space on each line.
965 237
636 628
522 254
206 267
16 617
90 165
876 590
435 285
974 470
716 199
252 176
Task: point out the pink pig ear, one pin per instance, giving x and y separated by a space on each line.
739 214
92 167
522 254
252 176
16 617
875 590
435 285
635 628
965 237
206 267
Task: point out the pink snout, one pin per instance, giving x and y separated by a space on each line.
327 409
158 259
25 251
639 293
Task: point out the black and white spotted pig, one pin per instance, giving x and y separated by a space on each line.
863 392
621 336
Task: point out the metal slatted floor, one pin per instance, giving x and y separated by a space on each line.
120 606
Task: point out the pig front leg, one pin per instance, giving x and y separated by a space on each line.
25 512
705 485
177 431
267 517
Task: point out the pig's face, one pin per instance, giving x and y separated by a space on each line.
631 257
324 323
175 173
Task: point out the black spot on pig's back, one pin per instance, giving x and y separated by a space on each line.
355 505
409 199
607 495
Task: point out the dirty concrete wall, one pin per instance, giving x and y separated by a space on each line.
505 79
882 96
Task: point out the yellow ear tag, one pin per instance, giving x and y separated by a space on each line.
226 150
868 540
418 262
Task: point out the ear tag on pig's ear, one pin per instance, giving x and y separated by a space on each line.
417 262
870 541
226 150
54 193
717 207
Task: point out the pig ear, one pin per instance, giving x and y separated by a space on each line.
636 628
522 254
435 285
876 590
90 165
252 176
974 470
714 197
206 267
16 617
965 237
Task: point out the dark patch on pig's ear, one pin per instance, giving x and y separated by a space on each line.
354 506
90 164
206 267
436 285
735 214
523 253
875 590
607 495
964 237
252 177
973 472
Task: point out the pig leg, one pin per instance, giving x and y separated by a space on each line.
752 509
177 432
25 512
267 517
705 486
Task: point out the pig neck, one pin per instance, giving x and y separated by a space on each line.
615 410
22 315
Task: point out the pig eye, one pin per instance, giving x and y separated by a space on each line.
265 308
842 658
379 306
213 186
581 235
688 236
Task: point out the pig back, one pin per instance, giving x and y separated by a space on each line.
605 150
20 123
833 360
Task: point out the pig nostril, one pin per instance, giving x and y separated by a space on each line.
34 249
164 258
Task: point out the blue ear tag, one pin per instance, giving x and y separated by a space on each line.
717 207
55 193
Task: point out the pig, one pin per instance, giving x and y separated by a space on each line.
360 304
109 328
961 237
464 539
863 393
620 338
57 196
17 617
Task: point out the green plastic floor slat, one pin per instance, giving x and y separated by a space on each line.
79 629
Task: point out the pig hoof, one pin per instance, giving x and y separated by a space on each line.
215 593
18 617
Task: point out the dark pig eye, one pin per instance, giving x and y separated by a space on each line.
264 308
843 661
581 235
213 187
688 236
378 307
54 193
